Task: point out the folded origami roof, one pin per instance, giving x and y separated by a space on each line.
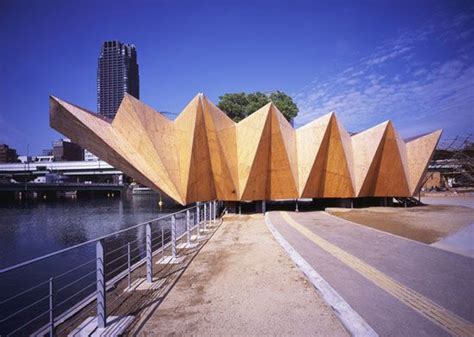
204 155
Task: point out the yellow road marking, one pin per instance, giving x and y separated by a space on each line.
452 323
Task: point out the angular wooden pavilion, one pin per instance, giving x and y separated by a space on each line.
203 155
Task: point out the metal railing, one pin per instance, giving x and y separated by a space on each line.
45 306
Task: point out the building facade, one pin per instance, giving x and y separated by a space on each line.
65 150
7 154
117 73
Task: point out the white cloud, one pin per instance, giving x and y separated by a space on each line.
418 96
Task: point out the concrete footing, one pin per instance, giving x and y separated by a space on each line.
141 284
198 238
186 245
115 327
170 260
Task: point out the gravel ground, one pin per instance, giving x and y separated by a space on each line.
242 283
426 224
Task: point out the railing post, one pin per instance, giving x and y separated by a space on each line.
162 239
149 255
263 206
173 236
198 220
188 227
51 307
129 277
100 279
210 212
204 215
215 210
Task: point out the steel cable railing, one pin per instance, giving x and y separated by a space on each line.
111 266
75 294
75 281
74 269
24 292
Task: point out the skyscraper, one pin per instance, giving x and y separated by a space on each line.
117 73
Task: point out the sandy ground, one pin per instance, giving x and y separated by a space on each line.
426 224
242 283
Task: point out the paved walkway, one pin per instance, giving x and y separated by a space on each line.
243 283
399 286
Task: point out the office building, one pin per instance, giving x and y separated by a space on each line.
65 150
117 73
7 154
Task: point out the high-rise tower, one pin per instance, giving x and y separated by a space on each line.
117 73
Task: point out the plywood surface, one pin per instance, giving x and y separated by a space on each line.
204 155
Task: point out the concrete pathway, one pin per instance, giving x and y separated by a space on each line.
399 286
242 283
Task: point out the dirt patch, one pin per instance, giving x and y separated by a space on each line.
243 283
426 224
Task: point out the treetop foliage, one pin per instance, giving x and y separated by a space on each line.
240 105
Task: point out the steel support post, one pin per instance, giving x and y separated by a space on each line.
149 255
188 227
129 265
51 307
100 280
214 210
173 236
162 239
211 212
198 219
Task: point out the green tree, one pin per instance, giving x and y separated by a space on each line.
234 105
255 101
285 104
239 105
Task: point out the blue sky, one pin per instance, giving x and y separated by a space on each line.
369 61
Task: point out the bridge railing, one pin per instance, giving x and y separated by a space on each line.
95 267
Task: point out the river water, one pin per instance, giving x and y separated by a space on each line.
34 228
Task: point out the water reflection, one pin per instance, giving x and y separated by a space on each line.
33 229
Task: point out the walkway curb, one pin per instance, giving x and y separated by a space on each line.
351 320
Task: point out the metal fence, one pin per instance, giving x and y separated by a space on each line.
45 306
